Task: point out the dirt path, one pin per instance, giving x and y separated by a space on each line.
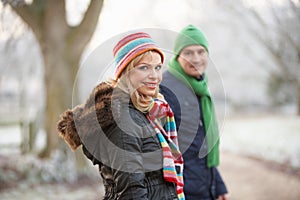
250 179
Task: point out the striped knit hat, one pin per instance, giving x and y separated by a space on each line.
130 47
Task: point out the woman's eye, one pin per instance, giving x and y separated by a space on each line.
158 67
143 67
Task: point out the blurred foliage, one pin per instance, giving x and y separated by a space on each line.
281 89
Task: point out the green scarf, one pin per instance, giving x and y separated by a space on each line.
209 117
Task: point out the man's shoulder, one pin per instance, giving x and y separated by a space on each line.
171 85
166 74
168 78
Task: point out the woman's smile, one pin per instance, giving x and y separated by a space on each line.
147 74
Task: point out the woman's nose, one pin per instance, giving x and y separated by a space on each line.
153 73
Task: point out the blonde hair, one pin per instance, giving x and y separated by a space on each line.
141 102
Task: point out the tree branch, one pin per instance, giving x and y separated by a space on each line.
273 51
27 13
281 27
295 8
81 34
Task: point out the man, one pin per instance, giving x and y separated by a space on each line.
185 88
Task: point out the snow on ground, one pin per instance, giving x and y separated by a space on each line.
274 138
86 191
9 135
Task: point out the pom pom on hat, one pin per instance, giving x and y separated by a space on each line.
130 47
190 35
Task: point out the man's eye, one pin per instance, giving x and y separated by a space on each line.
187 53
201 52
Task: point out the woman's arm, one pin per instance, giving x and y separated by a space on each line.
126 160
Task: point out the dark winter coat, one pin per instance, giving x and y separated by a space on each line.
120 140
200 182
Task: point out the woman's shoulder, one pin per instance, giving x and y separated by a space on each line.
88 118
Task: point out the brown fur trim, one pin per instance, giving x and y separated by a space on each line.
87 118
67 130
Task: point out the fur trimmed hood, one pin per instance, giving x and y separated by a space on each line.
87 118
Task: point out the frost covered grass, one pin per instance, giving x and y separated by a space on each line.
273 138
28 177
17 168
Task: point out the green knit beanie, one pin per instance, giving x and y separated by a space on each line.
190 35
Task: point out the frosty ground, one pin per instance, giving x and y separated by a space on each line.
259 160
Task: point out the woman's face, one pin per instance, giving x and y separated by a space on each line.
147 74
193 60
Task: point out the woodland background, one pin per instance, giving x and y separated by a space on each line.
54 52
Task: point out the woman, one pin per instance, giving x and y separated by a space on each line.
127 129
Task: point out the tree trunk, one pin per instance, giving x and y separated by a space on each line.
61 47
57 76
298 105
58 96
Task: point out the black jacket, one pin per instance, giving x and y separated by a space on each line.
200 182
120 140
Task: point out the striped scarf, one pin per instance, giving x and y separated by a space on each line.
161 118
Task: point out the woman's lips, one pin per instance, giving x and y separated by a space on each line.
151 85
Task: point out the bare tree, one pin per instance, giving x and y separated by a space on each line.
277 29
283 42
62 46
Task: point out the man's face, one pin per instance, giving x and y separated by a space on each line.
193 60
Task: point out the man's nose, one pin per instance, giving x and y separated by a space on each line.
196 58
